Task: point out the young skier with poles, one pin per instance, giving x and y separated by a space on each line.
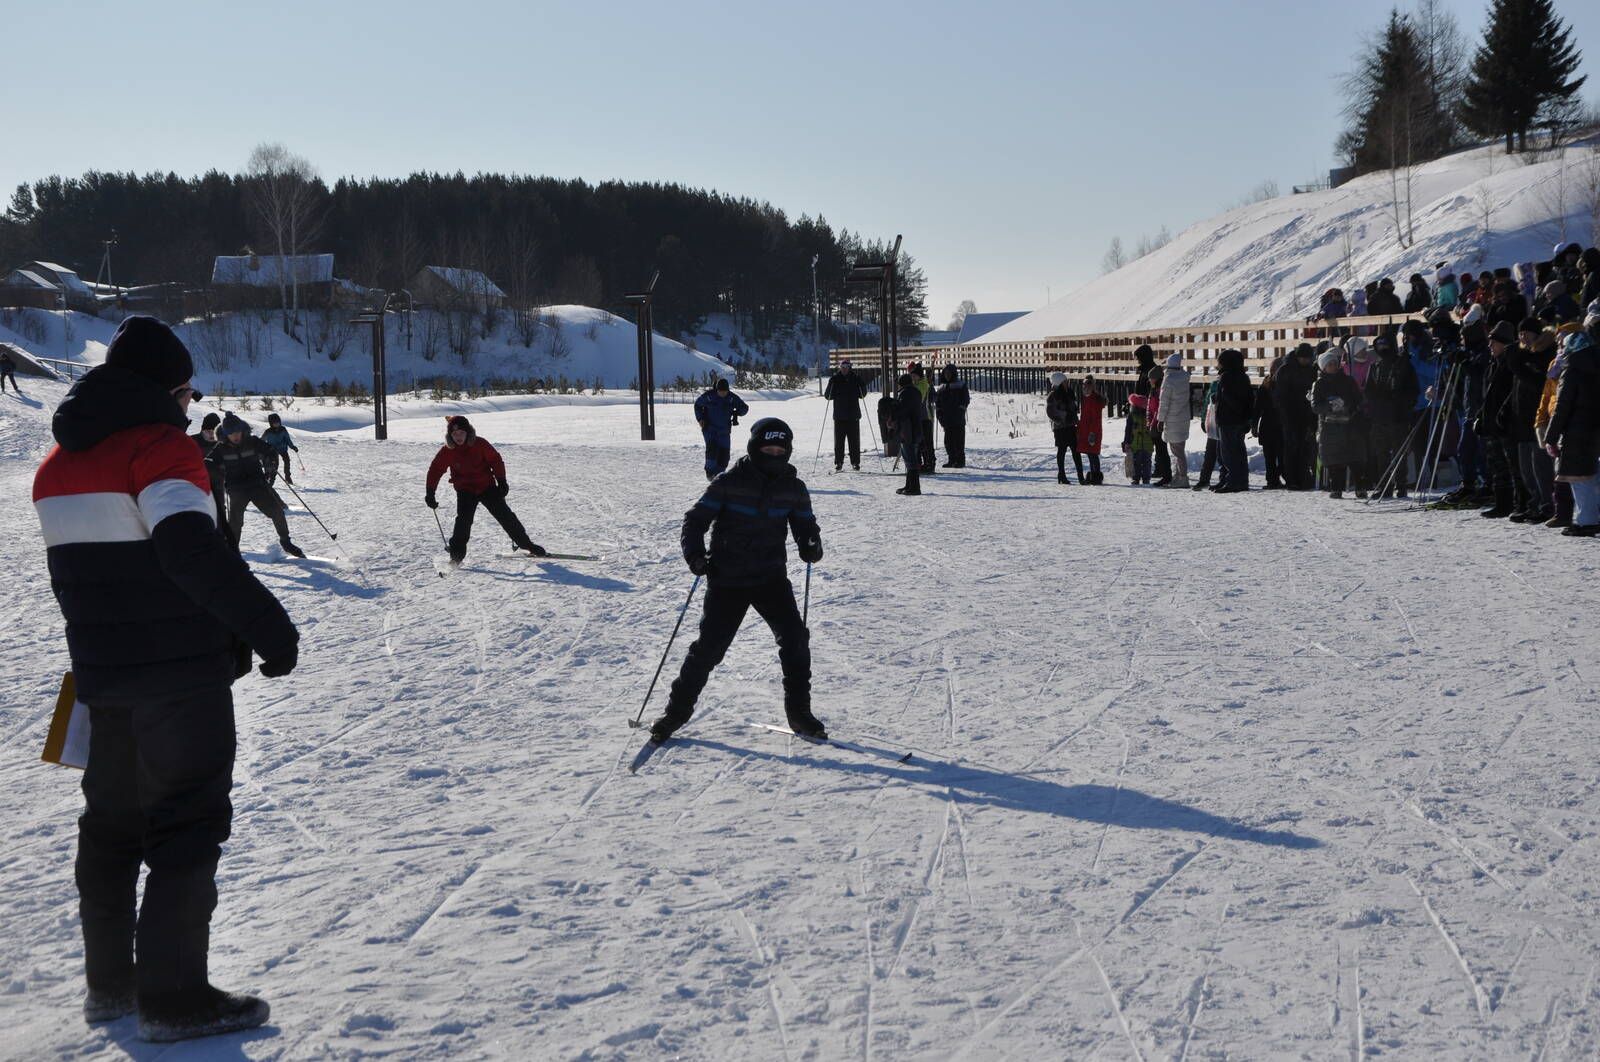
717 411
278 443
245 477
479 476
750 511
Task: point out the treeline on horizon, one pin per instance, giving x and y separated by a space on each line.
543 240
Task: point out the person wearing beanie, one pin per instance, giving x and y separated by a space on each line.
1464 351
750 510
1527 358
1061 407
1448 292
950 402
1175 403
1573 435
209 444
848 393
1234 411
928 458
276 438
717 410
160 613
1138 441
1341 442
1264 427
907 425
1385 302
1390 401
478 474
1295 418
244 475
1419 299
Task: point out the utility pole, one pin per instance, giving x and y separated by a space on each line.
816 318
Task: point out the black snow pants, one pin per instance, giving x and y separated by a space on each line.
725 609
955 442
467 507
156 792
847 434
266 501
273 461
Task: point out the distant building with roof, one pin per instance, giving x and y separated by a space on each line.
445 286
981 324
255 280
42 285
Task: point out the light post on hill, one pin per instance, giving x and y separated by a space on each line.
816 319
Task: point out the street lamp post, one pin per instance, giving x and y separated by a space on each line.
816 319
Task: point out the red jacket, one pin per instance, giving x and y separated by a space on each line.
1089 422
474 466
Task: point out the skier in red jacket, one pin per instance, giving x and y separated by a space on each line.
479 476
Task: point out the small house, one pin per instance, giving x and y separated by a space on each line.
446 287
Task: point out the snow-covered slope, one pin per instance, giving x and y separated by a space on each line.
1272 260
250 352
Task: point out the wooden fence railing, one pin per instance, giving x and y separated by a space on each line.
1109 355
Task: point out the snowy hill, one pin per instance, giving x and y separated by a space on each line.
249 352
1272 260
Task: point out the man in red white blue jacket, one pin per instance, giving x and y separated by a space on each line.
158 608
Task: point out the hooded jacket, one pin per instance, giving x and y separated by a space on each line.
1061 407
717 414
153 595
951 401
1174 399
1528 368
750 513
1336 400
847 391
1575 424
1236 400
474 466
244 465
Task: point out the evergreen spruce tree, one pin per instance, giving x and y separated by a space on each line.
1524 66
1393 110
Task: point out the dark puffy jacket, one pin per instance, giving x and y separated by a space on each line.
1294 381
1512 308
716 414
1391 393
152 593
1575 425
1236 400
1385 303
474 466
750 515
846 391
1062 408
1264 414
1528 369
951 401
210 453
1341 438
908 408
1418 299
1492 416
243 465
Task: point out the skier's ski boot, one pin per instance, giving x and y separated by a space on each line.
803 723
665 727
214 1013
537 550
108 1004
290 548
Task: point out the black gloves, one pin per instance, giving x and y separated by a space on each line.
699 564
811 550
279 666
503 487
430 501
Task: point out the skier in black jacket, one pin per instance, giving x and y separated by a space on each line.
750 511
210 445
950 402
8 371
847 392
244 474
156 606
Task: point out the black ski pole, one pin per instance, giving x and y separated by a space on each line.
805 610
307 508
440 525
634 722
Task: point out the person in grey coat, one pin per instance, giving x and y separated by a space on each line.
1341 440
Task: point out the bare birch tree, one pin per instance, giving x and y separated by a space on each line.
284 197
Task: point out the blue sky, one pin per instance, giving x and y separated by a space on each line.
1014 141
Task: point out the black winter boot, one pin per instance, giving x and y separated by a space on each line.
290 548
802 722
665 727
1502 506
109 1004
214 1012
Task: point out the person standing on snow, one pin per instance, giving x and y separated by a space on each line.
1175 418
951 401
8 371
157 607
1061 407
208 444
1341 439
479 476
750 511
847 392
1236 407
278 443
1091 431
244 474
908 427
717 411
1295 419
927 458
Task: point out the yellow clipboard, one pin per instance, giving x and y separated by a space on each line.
67 743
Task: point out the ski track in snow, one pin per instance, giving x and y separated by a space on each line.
1172 754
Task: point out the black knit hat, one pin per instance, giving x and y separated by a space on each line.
1504 332
148 347
211 421
770 431
1530 324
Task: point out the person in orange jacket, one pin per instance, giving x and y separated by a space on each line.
479 476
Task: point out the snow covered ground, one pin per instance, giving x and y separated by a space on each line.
1193 776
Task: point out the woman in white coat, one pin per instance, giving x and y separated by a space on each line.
1175 416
